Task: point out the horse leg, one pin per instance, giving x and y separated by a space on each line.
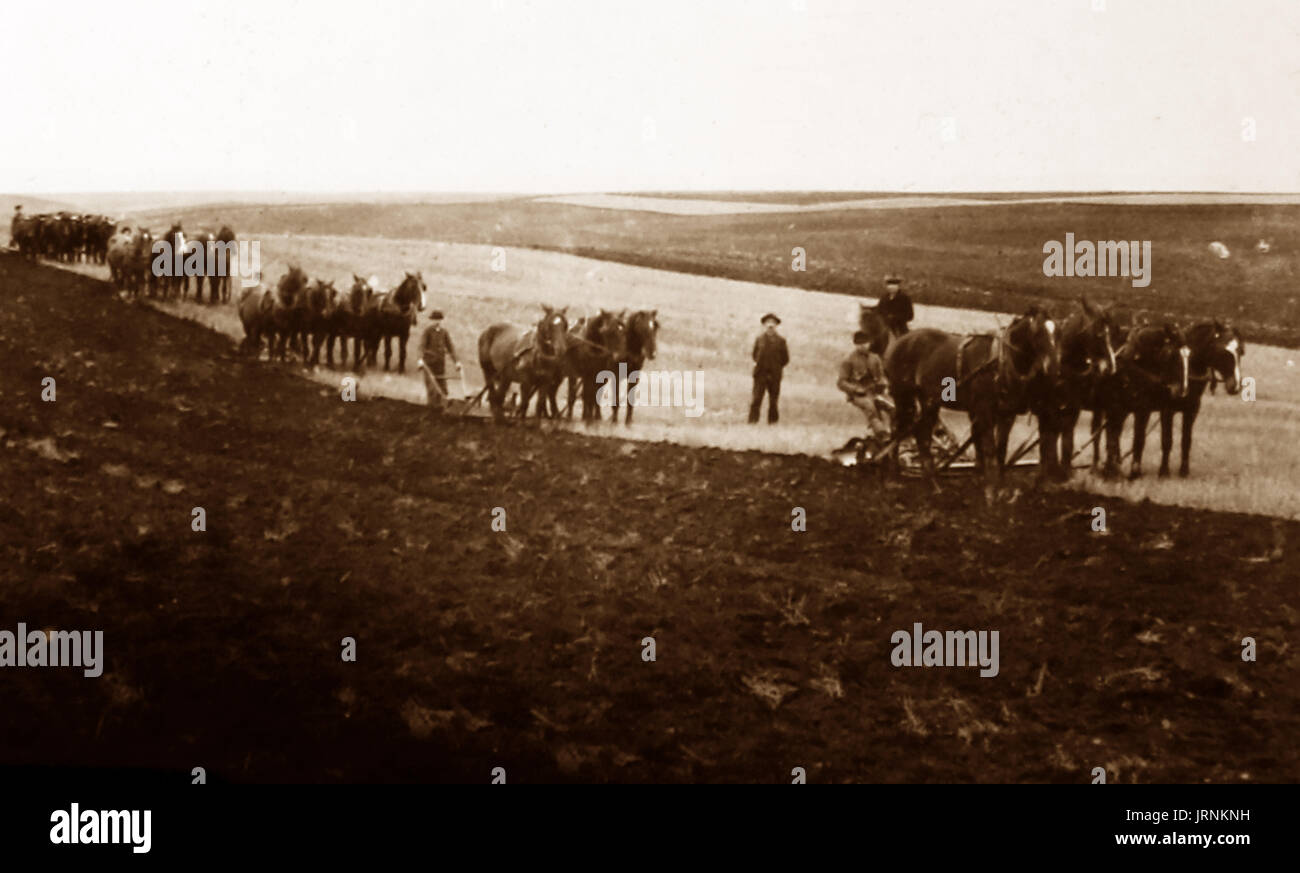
1166 439
1140 418
629 396
388 351
1069 421
1002 432
1189 419
924 432
985 433
401 352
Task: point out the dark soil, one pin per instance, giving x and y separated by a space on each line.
523 649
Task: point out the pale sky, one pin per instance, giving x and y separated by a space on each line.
612 95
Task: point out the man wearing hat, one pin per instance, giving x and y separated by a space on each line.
862 379
895 307
770 357
435 347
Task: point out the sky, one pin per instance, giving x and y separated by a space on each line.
613 95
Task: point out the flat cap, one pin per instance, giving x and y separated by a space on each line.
770 317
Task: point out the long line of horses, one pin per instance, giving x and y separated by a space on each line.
1034 365
63 236
306 316
1055 371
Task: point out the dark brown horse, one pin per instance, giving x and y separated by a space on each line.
598 346
224 264
322 300
990 378
287 325
1216 353
642 346
255 306
170 276
510 354
1087 340
391 314
1151 372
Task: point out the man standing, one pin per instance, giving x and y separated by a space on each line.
862 379
770 357
895 307
435 347
13 226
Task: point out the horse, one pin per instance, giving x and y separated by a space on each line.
509 354
597 346
198 247
1151 370
322 300
255 306
288 318
175 282
349 321
642 345
225 258
1216 350
391 315
1087 342
990 378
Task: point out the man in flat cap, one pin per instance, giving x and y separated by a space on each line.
770 357
435 348
895 307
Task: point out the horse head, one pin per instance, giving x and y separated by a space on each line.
291 286
359 295
1100 335
1217 350
1032 341
643 332
609 331
553 331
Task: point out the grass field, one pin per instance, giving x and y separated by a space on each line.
1245 458
987 257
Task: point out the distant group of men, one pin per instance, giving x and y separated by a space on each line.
861 375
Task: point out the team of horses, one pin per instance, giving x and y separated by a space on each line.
586 355
63 236
212 257
305 316
1054 371
1034 365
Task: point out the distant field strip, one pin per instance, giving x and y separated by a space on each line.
1246 456
704 206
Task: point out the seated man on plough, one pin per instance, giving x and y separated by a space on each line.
862 379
